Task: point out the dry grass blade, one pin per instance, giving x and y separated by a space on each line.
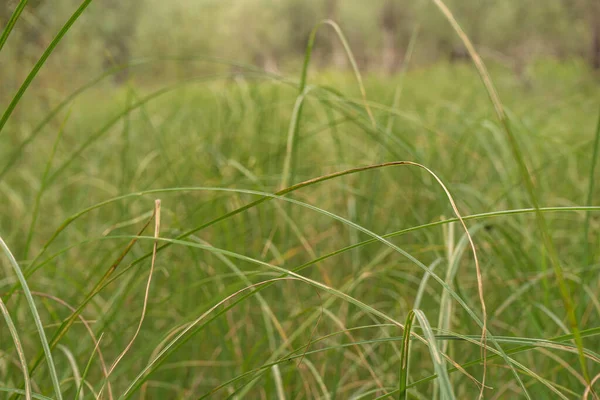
477 271
589 388
148 283
62 330
189 326
90 331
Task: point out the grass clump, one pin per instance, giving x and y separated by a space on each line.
288 247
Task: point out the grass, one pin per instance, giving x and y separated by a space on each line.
294 242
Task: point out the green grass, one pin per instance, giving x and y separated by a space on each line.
293 244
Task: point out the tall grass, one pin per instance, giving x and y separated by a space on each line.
289 246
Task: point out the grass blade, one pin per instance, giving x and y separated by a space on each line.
520 159
36 317
589 255
11 22
38 65
403 378
19 347
438 361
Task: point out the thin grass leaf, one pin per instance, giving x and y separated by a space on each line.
438 361
523 168
22 393
11 22
589 254
36 318
19 347
64 327
405 357
73 364
38 65
156 216
16 153
92 336
86 370
530 344
176 343
289 170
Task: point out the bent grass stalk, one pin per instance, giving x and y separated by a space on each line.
531 191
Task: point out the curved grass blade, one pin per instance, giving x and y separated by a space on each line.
36 318
177 342
167 348
529 344
267 196
303 89
156 216
531 191
472 339
87 326
87 369
62 330
74 368
19 347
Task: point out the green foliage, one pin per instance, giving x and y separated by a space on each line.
300 291
272 34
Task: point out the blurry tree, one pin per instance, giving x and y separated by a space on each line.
272 34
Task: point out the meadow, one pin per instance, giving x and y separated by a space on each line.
243 234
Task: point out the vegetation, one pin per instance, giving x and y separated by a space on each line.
182 226
272 34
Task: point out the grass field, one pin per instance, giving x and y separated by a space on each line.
244 282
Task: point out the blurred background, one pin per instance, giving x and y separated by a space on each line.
272 34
